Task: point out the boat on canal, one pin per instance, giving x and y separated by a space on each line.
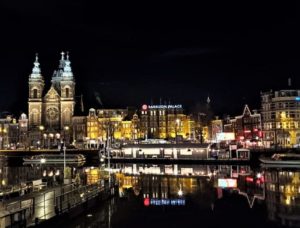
282 160
54 159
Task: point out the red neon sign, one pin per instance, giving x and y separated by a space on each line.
144 107
249 179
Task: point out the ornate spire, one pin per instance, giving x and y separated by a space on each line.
208 100
36 70
62 60
67 67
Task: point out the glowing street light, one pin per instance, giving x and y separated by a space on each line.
180 192
66 128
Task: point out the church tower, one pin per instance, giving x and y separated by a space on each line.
36 87
67 94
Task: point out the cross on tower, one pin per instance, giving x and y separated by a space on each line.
62 55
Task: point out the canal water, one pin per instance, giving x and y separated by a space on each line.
181 195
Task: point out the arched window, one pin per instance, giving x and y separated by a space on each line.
67 92
35 93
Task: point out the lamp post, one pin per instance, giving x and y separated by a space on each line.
3 131
42 128
66 128
50 140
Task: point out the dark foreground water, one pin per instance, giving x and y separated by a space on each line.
189 196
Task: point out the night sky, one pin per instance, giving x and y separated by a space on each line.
128 55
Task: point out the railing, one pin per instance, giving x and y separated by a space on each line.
45 205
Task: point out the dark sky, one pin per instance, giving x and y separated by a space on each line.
132 54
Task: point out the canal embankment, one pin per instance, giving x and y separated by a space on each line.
50 205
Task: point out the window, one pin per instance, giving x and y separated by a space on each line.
67 92
35 93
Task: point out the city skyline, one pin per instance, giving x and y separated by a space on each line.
129 62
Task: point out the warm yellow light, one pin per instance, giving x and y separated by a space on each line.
288 200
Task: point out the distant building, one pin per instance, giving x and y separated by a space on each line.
111 125
246 127
166 122
216 128
23 131
79 127
50 113
280 112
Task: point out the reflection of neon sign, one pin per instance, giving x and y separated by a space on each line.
227 183
162 202
146 202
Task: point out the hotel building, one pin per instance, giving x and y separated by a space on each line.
166 122
280 112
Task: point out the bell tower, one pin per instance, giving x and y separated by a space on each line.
36 87
67 94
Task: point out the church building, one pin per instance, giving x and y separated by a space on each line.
50 111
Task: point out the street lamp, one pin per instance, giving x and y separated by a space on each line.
42 128
2 131
50 139
66 128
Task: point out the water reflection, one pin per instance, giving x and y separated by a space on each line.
283 196
201 194
169 181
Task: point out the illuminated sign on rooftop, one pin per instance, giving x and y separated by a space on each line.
164 106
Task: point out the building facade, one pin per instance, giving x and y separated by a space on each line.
280 112
111 125
50 112
247 128
166 122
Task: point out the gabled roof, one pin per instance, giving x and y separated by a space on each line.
52 94
247 112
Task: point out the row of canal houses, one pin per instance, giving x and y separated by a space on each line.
276 124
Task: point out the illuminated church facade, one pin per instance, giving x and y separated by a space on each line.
51 111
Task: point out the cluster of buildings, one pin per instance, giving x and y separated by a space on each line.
52 119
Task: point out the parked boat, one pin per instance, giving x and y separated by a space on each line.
288 159
55 158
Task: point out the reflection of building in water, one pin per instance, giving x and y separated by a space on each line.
185 170
283 196
252 186
161 187
170 181
93 175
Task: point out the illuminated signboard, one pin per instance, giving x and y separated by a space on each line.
225 136
144 107
164 106
227 183
297 98
162 202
